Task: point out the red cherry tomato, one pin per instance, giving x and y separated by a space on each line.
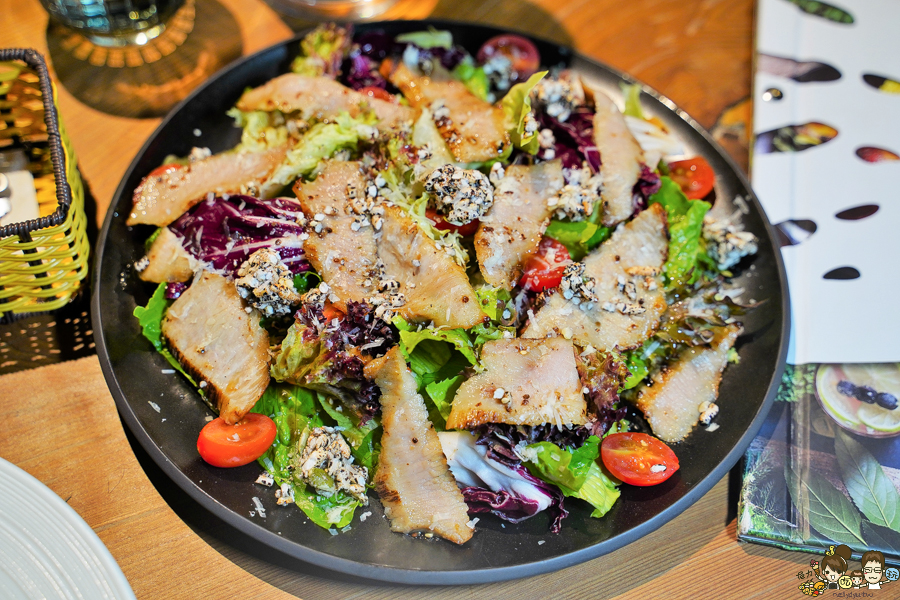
330 311
544 270
694 175
464 230
163 169
376 92
638 458
520 51
223 445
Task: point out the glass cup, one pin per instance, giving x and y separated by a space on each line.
114 22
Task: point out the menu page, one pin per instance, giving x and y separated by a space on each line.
825 467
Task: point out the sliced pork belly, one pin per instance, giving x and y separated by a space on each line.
436 288
474 130
217 341
672 403
344 258
525 382
628 285
168 260
511 231
621 158
160 199
413 480
321 98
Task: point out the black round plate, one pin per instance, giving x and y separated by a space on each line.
139 378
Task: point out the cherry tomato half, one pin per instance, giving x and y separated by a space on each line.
694 175
638 458
464 230
544 270
376 92
163 169
520 51
330 311
223 445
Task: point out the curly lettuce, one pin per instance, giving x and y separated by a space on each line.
296 411
322 51
262 130
516 107
323 140
685 233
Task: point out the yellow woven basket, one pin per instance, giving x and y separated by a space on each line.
42 261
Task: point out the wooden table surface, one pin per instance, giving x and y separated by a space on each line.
60 423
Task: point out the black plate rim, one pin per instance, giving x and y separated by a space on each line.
426 577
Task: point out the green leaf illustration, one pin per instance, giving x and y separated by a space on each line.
828 510
826 11
871 490
880 538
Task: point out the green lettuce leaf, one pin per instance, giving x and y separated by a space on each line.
442 393
632 93
567 469
297 354
150 317
432 38
493 301
637 369
575 472
321 141
516 104
598 490
473 77
262 130
578 237
306 281
296 411
436 359
410 338
685 233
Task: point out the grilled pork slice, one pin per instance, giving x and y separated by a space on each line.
630 300
672 403
344 258
321 98
167 259
216 341
474 130
511 231
435 287
413 480
525 382
621 156
160 199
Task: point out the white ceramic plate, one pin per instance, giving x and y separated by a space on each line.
47 551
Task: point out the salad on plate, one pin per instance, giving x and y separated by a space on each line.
458 283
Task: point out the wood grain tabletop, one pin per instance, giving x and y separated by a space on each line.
60 424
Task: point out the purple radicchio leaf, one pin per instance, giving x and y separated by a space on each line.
556 509
362 72
174 289
574 138
225 231
647 184
508 507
